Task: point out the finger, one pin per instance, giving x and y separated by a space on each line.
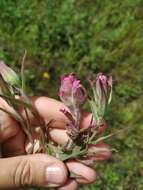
14 146
33 170
101 150
83 173
11 137
8 127
59 136
70 185
49 109
97 152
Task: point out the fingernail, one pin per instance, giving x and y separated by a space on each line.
54 175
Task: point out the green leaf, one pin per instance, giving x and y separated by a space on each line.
94 111
110 96
102 138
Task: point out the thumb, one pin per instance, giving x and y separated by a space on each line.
37 170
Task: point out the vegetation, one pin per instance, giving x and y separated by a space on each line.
85 37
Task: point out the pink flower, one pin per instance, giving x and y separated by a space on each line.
103 86
71 92
102 91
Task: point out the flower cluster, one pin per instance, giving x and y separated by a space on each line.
74 95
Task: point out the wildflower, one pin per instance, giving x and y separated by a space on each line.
73 95
46 75
102 91
103 87
71 92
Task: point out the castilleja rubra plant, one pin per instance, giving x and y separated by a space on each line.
74 95
84 144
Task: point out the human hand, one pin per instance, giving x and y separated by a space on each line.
40 170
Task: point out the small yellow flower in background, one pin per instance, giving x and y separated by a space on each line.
46 75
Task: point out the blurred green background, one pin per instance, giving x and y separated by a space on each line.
84 36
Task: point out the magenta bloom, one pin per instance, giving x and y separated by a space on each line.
71 92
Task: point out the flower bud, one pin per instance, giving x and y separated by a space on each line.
103 87
71 92
102 90
8 75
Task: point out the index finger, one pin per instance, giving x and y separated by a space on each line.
49 109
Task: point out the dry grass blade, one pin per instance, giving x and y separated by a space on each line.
22 71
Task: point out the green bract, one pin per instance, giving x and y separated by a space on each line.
8 75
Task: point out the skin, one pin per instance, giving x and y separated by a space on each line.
14 143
